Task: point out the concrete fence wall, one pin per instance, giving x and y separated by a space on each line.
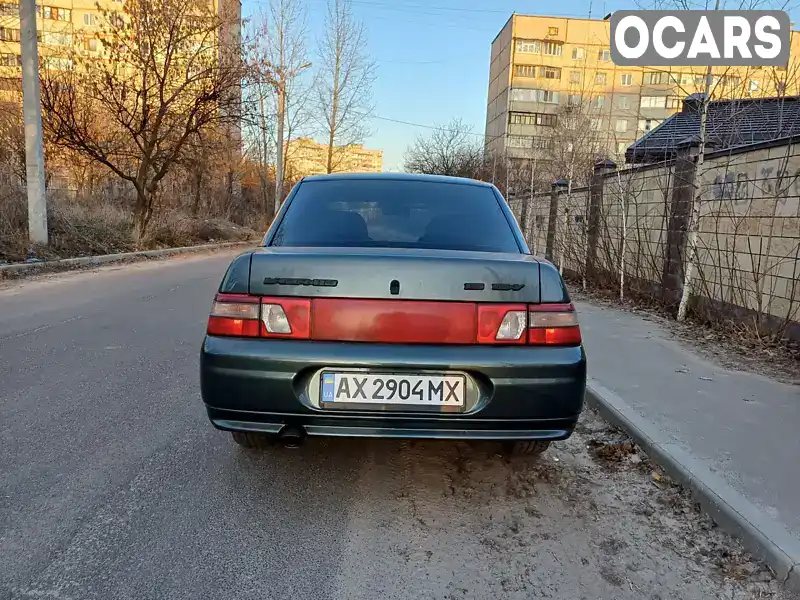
629 229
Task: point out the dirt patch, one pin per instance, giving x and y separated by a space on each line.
732 347
671 508
592 518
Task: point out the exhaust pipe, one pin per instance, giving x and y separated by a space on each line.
291 436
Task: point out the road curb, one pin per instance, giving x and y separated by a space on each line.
20 270
731 510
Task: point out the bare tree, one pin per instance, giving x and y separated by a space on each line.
279 56
164 78
449 150
344 81
574 147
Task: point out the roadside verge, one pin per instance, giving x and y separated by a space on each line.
730 509
17 271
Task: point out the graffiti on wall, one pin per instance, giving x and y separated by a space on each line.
769 182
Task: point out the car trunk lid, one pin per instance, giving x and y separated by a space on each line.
395 274
395 296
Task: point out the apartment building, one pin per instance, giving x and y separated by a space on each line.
65 26
549 72
304 157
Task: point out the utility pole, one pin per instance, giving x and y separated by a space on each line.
32 114
281 90
264 152
278 77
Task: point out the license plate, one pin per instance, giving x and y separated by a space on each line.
418 390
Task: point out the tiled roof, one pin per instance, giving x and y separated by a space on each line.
730 123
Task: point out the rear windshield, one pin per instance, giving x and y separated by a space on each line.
396 214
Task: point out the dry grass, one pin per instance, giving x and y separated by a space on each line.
176 230
78 229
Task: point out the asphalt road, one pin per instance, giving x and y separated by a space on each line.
113 485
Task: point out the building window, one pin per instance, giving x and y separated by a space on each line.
732 81
10 60
604 55
653 102
525 70
548 96
621 126
552 31
569 122
546 120
542 143
574 100
574 76
519 141
539 47
530 46
597 124
89 19
552 48
674 102
578 54
622 147
56 62
657 78
525 95
600 78
648 124
55 38
753 85
9 35
10 84
56 14
626 79
686 79
541 119
551 73
600 101
9 10
91 44
624 102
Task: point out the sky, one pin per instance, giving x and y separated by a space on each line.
433 58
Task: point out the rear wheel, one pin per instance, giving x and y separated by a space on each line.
528 447
252 440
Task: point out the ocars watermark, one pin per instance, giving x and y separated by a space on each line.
700 37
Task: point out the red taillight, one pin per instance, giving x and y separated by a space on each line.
234 315
502 323
240 315
393 321
532 324
288 318
553 325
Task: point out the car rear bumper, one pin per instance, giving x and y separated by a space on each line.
265 386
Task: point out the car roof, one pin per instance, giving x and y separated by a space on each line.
385 176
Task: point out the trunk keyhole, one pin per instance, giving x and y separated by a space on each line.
394 287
